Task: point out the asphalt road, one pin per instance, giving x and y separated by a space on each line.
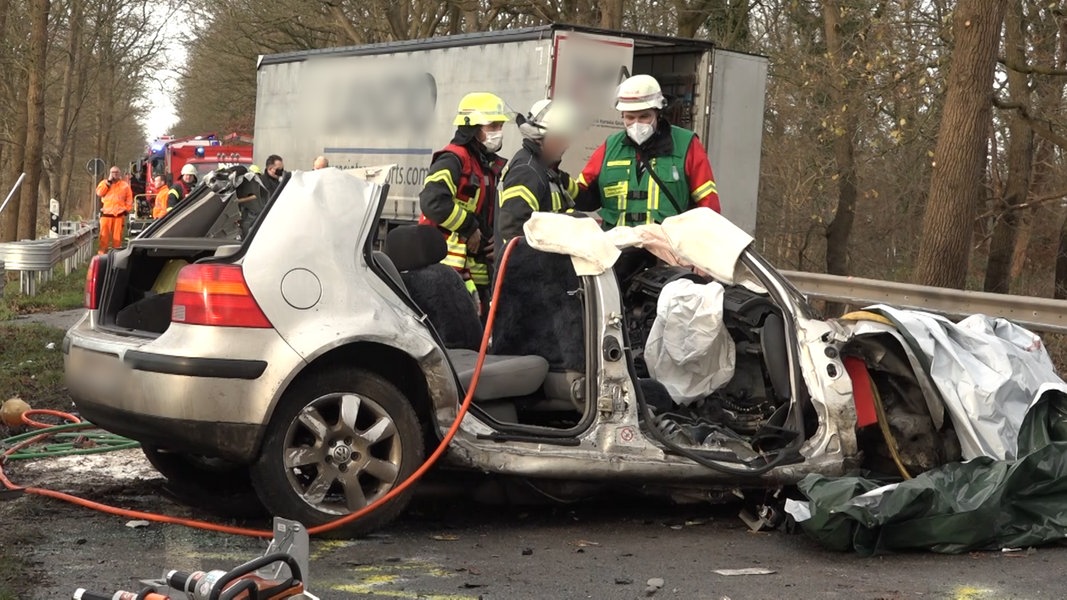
450 548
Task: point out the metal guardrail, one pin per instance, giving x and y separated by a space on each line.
1040 314
35 260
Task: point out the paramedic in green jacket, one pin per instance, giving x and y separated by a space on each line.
616 180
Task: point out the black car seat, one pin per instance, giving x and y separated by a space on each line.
416 252
540 311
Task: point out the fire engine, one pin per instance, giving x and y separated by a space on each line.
168 155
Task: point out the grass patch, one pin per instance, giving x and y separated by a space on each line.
29 369
63 292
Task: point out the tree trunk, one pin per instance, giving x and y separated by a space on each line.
10 216
27 228
64 123
1019 158
959 158
611 13
839 231
70 149
1060 290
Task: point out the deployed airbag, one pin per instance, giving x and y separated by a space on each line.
689 349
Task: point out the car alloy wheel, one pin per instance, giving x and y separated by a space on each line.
342 452
339 439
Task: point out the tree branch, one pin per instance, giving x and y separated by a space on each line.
1031 69
1042 127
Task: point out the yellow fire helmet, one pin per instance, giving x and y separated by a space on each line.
481 108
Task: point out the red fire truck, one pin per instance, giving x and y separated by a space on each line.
168 155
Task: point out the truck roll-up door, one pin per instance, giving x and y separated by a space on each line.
587 70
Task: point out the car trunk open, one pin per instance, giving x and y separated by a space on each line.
139 280
139 290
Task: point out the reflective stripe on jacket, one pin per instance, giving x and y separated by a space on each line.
458 196
529 185
629 195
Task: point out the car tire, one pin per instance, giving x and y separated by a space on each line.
337 441
221 487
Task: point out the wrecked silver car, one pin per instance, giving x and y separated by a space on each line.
305 364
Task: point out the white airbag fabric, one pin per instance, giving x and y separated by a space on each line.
689 350
590 250
701 238
708 241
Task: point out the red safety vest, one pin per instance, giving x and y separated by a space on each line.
472 187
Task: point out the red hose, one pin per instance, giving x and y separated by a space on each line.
44 411
266 533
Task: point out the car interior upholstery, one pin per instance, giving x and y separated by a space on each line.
415 252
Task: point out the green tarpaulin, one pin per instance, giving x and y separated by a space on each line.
979 504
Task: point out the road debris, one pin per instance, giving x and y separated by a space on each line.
748 571
444 537
527 551
654 585
624 581
137 524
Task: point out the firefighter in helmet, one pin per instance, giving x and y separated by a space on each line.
650 171
183 186
533 180
460 193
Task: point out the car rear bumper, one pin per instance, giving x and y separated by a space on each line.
237 442
202 390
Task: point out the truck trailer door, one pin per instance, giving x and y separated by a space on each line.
586 70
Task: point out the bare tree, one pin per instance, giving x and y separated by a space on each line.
35 126
959 160
1020 156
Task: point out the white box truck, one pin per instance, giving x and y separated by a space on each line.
393 103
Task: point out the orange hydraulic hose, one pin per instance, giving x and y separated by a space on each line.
44 411
261 533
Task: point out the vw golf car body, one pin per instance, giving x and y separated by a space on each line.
307 363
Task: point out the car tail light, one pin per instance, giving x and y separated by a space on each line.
91 278
215 295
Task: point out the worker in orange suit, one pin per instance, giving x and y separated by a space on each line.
116 198
163 196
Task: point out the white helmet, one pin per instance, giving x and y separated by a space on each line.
189 170
640 92
549 116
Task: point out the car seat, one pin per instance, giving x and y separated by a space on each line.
540 311
416 252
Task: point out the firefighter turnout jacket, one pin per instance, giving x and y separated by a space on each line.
458 197
622 189
530 185
116 197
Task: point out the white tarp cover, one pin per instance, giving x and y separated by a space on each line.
689 350
988 372
701 238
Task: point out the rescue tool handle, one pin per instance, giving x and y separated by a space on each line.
178 580
252 566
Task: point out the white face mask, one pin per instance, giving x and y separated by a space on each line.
640 132
493 140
